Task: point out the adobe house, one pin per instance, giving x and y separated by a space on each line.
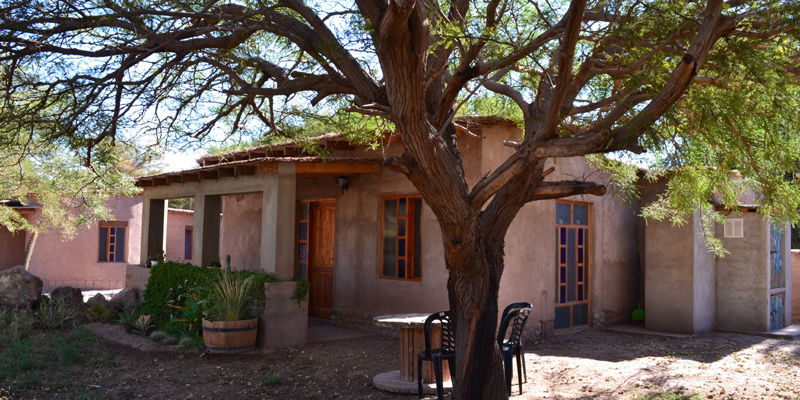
365 239
95 258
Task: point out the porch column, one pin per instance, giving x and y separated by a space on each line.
278 223
205 243
156 216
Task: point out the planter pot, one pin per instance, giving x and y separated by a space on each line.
230 336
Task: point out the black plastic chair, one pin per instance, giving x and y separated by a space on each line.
502 332
437 356
512 346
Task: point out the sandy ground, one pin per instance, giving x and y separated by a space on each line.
584 365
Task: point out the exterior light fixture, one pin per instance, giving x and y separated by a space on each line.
343 182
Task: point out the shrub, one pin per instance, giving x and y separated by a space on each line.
170 341
99 313
171 285
143 324
53 313
158 336
15 325
128 315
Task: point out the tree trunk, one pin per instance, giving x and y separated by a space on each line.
478 372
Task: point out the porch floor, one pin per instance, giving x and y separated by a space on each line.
791 332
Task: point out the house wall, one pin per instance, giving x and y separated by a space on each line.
241 230
177 221
705 300
743 277
360 293
669 277
12 248
58 261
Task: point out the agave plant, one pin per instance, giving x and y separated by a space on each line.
52 313
231 298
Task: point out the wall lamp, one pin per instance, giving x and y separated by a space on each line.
343 182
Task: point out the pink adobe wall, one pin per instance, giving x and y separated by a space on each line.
241 231
177 222
74 262
12 248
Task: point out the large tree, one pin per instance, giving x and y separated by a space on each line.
703 84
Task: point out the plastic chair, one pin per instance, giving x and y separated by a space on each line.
512 346
437 356
502 332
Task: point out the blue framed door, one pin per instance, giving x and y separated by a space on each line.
777 278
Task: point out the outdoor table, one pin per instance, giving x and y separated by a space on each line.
412 342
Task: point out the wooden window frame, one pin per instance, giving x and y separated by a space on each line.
108 225
298 241
409 237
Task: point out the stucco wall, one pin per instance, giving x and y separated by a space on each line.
177 222
12 248
669 277
704 281
58 261
241 230
743 277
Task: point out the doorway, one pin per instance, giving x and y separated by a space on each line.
315 253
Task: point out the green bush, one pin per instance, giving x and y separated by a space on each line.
171 285
51 313
99 313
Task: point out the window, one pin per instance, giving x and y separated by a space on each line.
401 247
187 243
734 228
112 241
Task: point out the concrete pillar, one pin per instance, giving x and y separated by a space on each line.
679 277
278 222
156 217
205 246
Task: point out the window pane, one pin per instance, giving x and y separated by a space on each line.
401 268
418 238
580 237
302 251
112 231
401 228
101 253
389 257
120 253
303 235
562 318
402 208
302 271
563 236
580 315
563 213
563 255
563 275
389 237
401 248
580 292
562 296
581 214
571 265
303 211
187 245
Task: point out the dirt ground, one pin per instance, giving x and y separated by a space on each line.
584 365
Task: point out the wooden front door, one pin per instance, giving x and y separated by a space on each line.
320 272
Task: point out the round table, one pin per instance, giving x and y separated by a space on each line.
412 342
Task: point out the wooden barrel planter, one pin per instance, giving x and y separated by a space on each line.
230 336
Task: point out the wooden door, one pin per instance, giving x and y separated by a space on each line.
321 259
777 299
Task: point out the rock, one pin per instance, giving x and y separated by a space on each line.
126 297
97 299
19 289
69 295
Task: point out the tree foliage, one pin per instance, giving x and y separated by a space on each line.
703 86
